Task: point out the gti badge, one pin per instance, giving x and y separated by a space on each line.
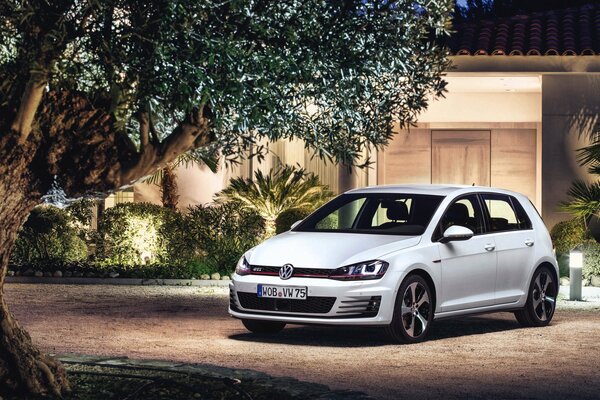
286 271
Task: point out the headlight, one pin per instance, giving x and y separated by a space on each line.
374 269
242 267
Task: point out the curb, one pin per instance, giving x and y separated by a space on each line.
118 281
296 388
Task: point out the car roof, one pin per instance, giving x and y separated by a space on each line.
439 190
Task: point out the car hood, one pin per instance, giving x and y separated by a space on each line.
326 249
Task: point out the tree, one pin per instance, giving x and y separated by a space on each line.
284 188
98 94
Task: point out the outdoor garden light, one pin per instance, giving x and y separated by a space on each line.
575 274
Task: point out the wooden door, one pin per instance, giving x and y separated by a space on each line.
460 157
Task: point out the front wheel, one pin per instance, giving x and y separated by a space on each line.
541 299
258 326
413 311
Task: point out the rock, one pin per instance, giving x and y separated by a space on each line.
90 275
225 278
57 274
215 276
38 274
48 274
68 274
113 274
585 282
28 272
595 281
18 273
10 273
205 277
564 281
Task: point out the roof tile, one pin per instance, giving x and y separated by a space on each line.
572 31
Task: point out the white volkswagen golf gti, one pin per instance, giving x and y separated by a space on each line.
401 257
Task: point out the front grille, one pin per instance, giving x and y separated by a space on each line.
312 304
298 272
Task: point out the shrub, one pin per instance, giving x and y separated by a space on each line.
224 232
568 234
285 220
49 234
132 233
591 258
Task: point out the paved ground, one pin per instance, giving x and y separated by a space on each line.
478 357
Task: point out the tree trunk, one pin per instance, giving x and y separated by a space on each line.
23 368
168 188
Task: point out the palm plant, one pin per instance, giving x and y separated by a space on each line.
283 188
584 197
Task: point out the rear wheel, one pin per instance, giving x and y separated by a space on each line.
258 326
413 311
541 299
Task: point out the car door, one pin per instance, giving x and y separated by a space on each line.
512 231
468 266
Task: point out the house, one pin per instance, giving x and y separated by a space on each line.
523 94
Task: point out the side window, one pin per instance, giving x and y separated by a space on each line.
464 212
501 213
522 217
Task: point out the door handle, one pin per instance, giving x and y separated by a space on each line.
529 242
489 247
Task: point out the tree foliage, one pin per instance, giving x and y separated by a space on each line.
334 73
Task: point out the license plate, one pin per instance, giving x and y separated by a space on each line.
282 292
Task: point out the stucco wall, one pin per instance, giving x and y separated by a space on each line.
483 107
570 111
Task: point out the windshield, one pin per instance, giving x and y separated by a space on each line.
374 213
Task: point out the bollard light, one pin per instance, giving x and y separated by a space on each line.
575 274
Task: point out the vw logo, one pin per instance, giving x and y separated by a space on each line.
286 271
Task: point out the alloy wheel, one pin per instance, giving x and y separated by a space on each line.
544 296
416 307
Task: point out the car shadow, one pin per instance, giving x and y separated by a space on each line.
352 336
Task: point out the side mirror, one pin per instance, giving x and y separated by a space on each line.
295 224
456 232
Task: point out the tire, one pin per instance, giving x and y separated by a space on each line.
263 327
541 299
413 311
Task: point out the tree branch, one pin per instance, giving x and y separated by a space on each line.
32 97
192 133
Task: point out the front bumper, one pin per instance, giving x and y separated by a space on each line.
329 301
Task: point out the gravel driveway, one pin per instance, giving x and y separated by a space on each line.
477 357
